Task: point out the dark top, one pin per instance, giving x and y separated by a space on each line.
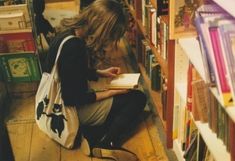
73 70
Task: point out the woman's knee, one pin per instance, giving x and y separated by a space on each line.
139 98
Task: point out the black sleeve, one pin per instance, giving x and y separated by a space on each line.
92 75
74 74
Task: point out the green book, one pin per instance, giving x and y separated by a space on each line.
20 67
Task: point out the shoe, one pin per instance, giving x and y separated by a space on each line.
85 148
117 154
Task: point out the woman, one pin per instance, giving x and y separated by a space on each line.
103 115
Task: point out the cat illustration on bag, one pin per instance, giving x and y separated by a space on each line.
57 118
40 108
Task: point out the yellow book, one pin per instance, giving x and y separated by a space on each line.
125 81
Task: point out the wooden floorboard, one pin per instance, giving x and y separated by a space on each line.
21 110
42 147
155 139
20 138
141 144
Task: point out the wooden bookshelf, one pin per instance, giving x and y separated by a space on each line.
165 68
161 61
175 69
215 145
155 96
190 47
16 50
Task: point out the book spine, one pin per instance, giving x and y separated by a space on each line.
220 66
232 139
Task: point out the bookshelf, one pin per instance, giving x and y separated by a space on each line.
228 6
188 50
142 25
18 52
215 145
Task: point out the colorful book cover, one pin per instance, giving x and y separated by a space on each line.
228 47
210 74
221 71
204 14
19 42
189 87
22 67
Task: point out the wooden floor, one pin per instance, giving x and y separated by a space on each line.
30 144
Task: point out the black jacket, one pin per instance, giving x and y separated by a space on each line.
73 70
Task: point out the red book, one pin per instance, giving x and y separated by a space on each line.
19 41
219 59
189 87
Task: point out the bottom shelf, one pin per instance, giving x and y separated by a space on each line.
215 145
155 96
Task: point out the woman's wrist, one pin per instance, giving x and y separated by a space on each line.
98 72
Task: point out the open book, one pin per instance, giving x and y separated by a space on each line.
125 81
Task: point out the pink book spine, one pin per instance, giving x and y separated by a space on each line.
220 64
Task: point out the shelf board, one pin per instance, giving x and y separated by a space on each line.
227 6
15 53
215 145
9 7
230 109
192 49
16 31
156 96
179 153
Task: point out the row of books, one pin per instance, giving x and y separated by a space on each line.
198 150
147 30
216 33
201 105
154 72
154 20
152 67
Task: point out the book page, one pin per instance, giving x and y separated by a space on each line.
126 80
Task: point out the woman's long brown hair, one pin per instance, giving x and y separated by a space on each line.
104 22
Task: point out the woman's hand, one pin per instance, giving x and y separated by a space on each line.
109 72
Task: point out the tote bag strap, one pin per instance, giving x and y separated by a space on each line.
58 53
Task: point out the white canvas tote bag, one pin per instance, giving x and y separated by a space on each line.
58 121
